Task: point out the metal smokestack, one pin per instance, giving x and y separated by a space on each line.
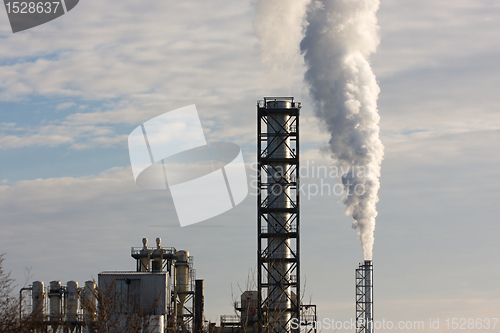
364 297
278 213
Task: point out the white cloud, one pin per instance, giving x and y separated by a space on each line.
66 105
208 56
427 34
76 137
203 54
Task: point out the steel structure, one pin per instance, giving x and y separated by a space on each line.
56 306
278 213
179 266
308 319
364 297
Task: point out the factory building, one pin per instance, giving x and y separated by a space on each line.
161 295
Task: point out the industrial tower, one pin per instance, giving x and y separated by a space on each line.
278 213
364 297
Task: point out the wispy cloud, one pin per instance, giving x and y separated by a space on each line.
66 105
60 133
203 54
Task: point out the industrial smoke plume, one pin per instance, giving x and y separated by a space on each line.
279 30
339 37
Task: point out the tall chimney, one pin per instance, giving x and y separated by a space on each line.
364 297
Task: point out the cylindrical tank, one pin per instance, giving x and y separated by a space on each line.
72 301
157 262
89 302
181 280
38 296
55 296
182 256
278 222
145 258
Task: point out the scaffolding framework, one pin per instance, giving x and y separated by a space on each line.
189 309
278 250
308 319
364 297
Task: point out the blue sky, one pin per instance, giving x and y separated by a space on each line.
73 89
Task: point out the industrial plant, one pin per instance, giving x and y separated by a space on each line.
163 294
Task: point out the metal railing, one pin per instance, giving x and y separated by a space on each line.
229 319
262 103
265 229
138 250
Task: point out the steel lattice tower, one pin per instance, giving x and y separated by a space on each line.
364 297
278 213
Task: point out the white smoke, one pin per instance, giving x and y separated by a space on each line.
279 30
340 36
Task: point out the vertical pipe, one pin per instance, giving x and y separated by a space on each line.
38 300
199 299
182 282
55 296
72 301
259 221
297 196
21 303
89 300
368 275
279 194
175 296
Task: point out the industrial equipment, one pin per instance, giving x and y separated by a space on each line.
364 297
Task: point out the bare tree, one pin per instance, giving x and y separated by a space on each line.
9 303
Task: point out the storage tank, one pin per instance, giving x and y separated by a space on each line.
89 302
181 280
157 262
38 296
55 296
72 301
145 260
